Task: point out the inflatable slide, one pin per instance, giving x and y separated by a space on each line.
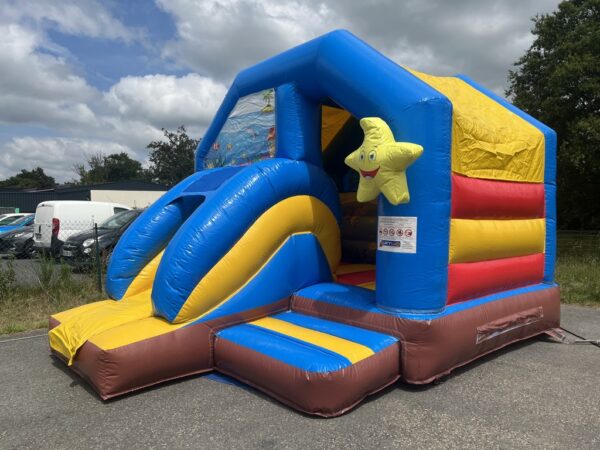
351 222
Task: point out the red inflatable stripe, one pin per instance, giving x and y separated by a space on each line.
471 280
474 198
357 277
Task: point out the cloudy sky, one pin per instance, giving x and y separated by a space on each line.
81 77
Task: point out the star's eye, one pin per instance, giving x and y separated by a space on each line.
361 157
372 155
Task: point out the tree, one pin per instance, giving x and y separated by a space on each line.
29 179
107 168
558 82
172 160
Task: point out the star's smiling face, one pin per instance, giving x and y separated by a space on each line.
367 164
381 163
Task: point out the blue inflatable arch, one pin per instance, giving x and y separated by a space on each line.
340 68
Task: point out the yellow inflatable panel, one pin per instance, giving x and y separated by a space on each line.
488 140
131 332
143 280
481 240
89 308
80 324
86 322
352 351
332 121
294 215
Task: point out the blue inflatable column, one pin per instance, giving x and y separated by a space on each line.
298 125
414 278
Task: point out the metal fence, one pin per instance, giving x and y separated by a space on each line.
578 243
34 253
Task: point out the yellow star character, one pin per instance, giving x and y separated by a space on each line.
381 163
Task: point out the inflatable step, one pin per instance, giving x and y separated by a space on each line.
314 365
128 355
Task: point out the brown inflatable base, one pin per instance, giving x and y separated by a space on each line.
119 371
182 352
427 350
431 349
326 394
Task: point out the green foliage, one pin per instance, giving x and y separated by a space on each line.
27 306
55 280
578 267
558 82
64 276
172 160
45 271
107 168
29 179
7 279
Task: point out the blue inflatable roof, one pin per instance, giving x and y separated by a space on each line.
336 67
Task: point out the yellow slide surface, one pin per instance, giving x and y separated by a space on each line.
110 324
78 325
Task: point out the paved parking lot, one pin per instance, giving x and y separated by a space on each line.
537 394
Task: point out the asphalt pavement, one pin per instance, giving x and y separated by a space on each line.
537 394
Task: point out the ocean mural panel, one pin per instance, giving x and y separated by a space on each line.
248 135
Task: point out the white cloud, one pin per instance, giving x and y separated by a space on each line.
37 87
81 17
166 101
221 37
55 155
480 39
40 88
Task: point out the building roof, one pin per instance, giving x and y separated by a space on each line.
130 185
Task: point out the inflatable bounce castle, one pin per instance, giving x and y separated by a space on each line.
351 222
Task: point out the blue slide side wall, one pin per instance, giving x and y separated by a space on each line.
224 217
153 229
299 263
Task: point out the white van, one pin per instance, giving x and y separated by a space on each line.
56 220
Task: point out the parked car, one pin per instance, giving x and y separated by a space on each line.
18 242
55 221
18 223
79 248
7 219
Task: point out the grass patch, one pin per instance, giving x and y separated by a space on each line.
578 267
53 290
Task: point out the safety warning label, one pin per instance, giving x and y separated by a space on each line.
397 234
